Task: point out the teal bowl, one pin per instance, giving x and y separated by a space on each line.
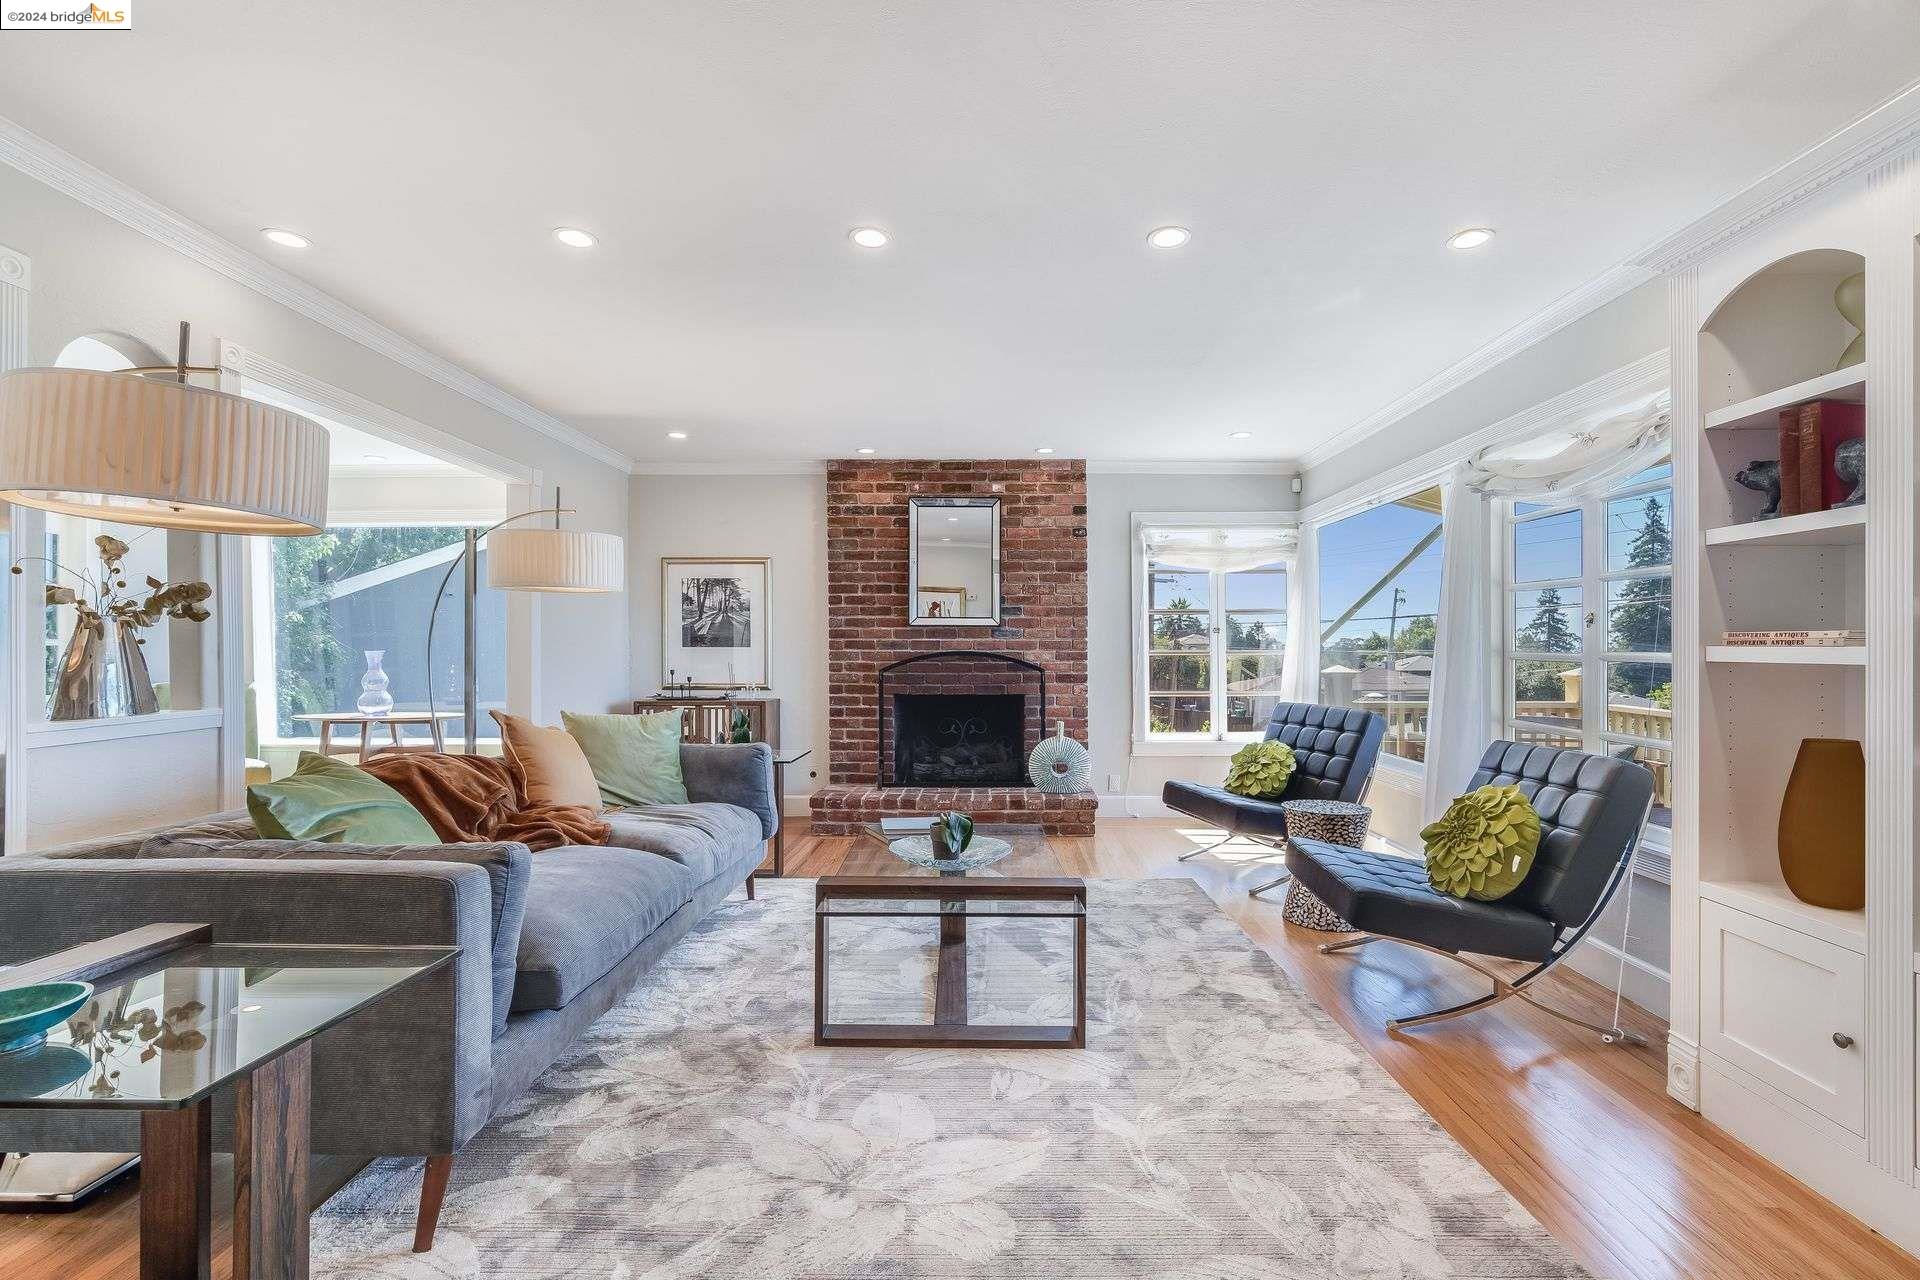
28 1013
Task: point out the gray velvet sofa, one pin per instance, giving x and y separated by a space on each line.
549 941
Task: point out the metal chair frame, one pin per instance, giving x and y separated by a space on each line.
1503 989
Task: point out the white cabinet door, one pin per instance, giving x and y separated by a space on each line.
1786 1008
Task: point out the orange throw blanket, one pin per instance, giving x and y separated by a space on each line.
467 799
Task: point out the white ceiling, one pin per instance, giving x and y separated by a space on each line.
1019 152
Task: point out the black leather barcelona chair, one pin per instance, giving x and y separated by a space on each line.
1592 810
1334 751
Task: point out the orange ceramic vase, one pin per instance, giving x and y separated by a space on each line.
1823 825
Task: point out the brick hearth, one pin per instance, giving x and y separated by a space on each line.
839 810
1043 587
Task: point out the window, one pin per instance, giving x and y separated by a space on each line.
357 588
1379 613
1589 644
1215 603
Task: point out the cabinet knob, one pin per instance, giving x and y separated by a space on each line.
1842 1040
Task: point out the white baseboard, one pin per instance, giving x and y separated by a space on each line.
1645 984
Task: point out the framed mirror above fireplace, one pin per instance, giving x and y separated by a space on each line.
953 562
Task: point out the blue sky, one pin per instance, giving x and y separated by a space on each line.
1354 553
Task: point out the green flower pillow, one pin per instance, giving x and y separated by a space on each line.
1483 845
1260 770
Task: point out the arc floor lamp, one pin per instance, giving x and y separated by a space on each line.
556 560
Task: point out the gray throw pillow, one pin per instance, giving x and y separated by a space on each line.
507 864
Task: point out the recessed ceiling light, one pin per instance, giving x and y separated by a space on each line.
869 237
676 435
946 539
286 239
953 519
865 449
1471 238
1239 435
1168 237
575 238
1044 449
373 457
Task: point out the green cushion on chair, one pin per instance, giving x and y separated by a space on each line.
1260 770
635 759
1482 847
330 800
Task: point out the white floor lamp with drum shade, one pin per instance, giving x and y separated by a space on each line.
556 560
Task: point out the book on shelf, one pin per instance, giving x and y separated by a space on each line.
1797 639
1840 421
1789 504
1810 458
1809 436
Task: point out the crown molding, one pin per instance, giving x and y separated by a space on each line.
1616 282
1867 140
46 163
1201 467
790 467
16 269
1631 383
1883 131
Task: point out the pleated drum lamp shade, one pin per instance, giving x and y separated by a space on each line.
117 446
563 560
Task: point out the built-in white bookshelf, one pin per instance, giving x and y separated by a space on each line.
1836 527
1795 1025
1807 655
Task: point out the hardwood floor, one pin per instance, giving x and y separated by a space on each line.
1581 1133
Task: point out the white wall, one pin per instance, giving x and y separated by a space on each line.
1112 499
89 274
783 517
1631 326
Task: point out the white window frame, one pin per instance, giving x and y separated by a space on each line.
1593 659
1219 742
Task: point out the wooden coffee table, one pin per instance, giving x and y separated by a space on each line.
953 900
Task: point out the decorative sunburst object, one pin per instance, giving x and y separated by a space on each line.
1482 847
1059 764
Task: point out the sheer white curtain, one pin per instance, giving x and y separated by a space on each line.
1300 662
1562 465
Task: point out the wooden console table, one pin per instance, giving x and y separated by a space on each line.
709 717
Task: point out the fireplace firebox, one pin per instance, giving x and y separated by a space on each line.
959 718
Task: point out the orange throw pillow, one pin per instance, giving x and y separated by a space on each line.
552 764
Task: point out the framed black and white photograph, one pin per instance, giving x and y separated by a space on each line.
714 622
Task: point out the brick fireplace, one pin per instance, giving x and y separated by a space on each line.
1011 681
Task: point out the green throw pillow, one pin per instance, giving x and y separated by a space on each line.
1483 845
635 759
330 800
1260 770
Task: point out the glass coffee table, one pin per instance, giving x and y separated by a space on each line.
173 1017
1025 972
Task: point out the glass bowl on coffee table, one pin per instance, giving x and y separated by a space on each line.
991 842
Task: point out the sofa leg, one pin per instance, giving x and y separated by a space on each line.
750 890
433 1192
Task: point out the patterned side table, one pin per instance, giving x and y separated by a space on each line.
1336 823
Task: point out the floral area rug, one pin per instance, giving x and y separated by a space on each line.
1218 1126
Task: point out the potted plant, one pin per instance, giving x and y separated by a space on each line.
103 673
951 833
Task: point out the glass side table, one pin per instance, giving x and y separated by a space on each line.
174 1017
952 901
